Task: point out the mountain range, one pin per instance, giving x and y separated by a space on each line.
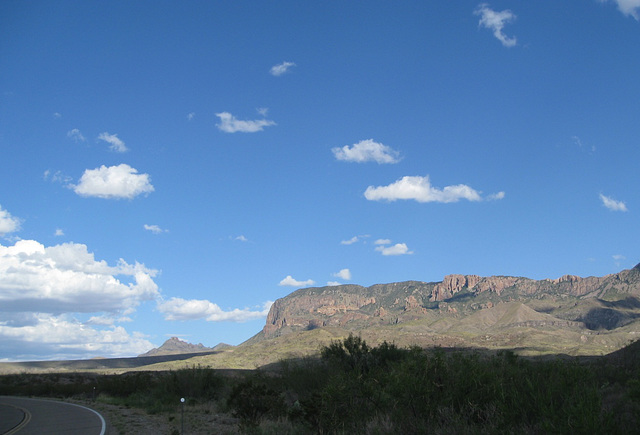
566 316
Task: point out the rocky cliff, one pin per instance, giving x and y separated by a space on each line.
357 307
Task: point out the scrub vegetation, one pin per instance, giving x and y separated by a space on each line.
355 388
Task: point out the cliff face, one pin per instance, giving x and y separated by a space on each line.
361 307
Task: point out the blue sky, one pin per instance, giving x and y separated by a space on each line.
170 168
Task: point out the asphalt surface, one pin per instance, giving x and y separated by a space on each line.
23 416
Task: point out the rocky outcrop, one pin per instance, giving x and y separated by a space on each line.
175 346
396 302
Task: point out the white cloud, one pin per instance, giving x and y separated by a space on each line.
115 144
230 124
44 336
57 177
278 70
101 320
382 242
333 283
194 309
420 189
42 287
367 151
612 204
290 281
628 7
67 278
75 135
496 196
113 182
495 21
351 241
59 232
242 238
191 115
397 249
343 274
57 115
8 223
155 229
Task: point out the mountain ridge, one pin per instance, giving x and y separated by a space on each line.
588 305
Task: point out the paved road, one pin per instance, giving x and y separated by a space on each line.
22 416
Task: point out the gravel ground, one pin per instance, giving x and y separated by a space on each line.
198 420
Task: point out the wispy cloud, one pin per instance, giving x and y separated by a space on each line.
115 144
618 259
496 196
282 68
191 115
59 232
382 242
242 238
495 21
56 177
292 282
113 182
612 204
195 309
230 124
350 241
75 135
367 151
420 189
628 7
155 229
8 223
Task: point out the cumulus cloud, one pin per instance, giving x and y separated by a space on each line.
113 182
612 204
420 189
44 336
333 283
242 238
367 151
397 249
343 274
67 278
8 223
290 281
115 144
230 124
75 135
495 21
155 229
282 68
628 7
59 232
42 288
195 309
